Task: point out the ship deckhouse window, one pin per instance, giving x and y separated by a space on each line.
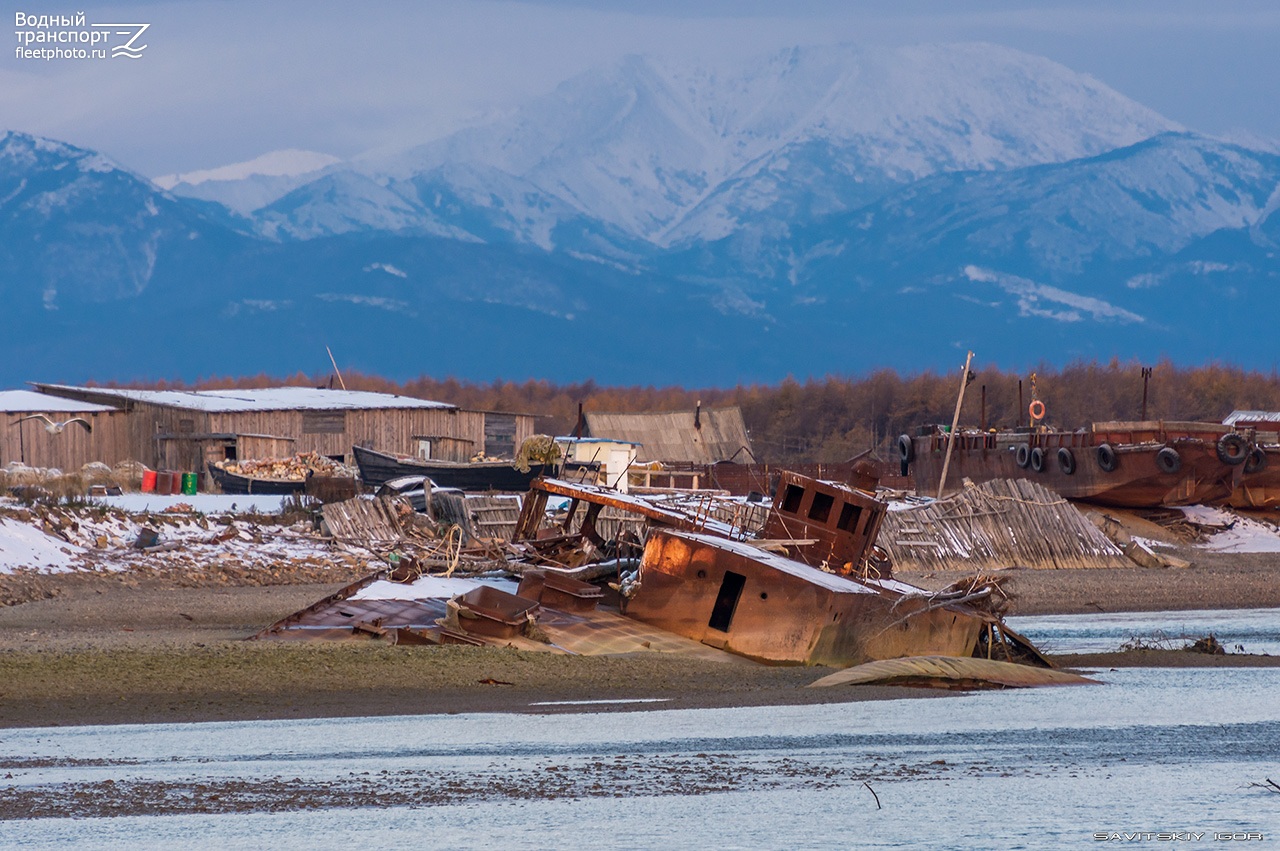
820 510
791 499
849 514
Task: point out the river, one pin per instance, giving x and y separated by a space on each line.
1151 751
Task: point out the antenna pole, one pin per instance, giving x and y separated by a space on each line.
1146 376
955 422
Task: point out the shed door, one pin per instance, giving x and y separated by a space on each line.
500 435
619 461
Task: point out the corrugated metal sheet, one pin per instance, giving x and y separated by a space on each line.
266 399
1252 417
30 402
672 437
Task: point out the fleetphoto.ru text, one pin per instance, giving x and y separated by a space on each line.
51 37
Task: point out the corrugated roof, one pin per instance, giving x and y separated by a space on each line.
672 437
30 402
266 399
1252 417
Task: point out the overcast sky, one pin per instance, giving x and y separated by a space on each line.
223 81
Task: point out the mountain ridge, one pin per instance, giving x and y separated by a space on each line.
811 249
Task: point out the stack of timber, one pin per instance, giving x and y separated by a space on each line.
998 524
295 468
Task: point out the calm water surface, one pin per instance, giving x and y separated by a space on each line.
1152 750
1255 630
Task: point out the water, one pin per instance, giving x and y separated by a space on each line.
1256 630
1152 750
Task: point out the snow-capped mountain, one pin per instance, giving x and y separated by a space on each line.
247 186
77 228
673 153
819 209
1062 221
670 153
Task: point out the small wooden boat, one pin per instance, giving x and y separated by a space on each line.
235 483
377 468
1123 464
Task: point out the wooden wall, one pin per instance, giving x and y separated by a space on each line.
335 432
29 443
134 433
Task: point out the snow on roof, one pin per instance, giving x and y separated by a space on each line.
595 440
1252 417
30 402
267 399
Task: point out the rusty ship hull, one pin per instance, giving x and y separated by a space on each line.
772 609
1126 465
1259 485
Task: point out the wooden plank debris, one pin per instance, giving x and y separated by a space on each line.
998 524
373 523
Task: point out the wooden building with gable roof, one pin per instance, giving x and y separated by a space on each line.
26 435
184 429
685 438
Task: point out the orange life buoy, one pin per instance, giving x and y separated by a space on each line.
1036 409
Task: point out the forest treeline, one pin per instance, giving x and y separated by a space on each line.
834 418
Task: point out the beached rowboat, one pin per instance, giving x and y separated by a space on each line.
377 468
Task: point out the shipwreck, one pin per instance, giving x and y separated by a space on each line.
797 582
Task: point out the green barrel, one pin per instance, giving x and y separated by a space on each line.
189 484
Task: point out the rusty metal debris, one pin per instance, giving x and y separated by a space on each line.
798 582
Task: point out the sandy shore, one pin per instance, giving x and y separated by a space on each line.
105 650
1215 581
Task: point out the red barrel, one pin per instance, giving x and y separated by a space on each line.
148 481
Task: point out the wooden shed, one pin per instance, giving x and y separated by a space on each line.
182 429
26 438
701 436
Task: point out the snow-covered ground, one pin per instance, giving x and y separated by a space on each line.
219 530
428 587
24 546
52 539
1246 535
204 503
